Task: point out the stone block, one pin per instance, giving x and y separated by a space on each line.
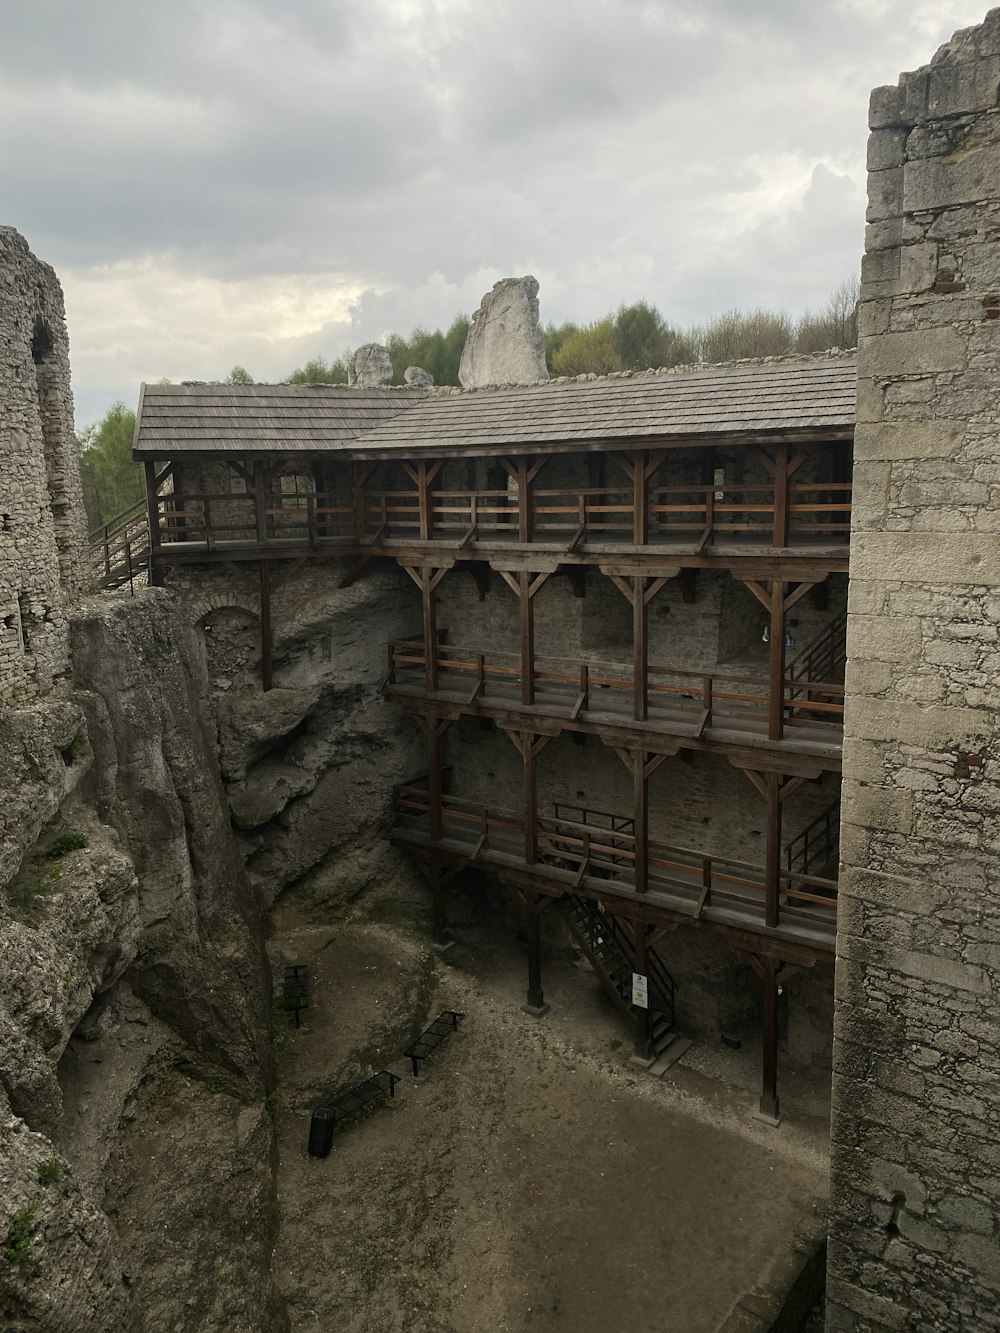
945 559
918 267
899 440
870 398
933 728
885 194
885 108
916 352
884 638
886 808
967 176
886 148
954 89
949 972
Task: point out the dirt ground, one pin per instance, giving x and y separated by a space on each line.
530 1179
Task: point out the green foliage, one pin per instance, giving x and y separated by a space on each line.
49 1172
29 892
438 353
555 336
736 335
321 371
239 375
588 351
112 482
69 842
213 1086
836 325
19 1236
644 339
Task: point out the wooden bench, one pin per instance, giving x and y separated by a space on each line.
431 1038
348 1106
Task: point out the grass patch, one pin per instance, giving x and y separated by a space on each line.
615 1044
18 1245
49 1172
68 842
28 895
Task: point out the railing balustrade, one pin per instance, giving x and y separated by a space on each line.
579 687
602 848
564 515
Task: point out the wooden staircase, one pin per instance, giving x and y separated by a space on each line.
609 950
118 552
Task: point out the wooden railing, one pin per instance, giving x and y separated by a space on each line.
604 849
818 844
568 516
118 551
579 687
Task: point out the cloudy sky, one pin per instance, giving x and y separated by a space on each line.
261 181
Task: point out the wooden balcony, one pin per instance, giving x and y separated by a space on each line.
584 851
715 707
682 520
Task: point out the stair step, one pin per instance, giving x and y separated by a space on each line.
669 1055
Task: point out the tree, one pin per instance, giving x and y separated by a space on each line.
239 376
555 336
439 353
589 351
836 325
320 371
644 339
112 482
736 334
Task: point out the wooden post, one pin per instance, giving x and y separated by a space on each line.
640 650
769 1091
643 1047
266 640
776 646
779 535
153 523
439 930
640 810
435 730
772 878
527 613
640 506
430 631
530 798
260 500
536 996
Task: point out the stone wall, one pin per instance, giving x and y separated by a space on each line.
916 1187
41 505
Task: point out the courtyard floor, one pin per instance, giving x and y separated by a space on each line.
530 1179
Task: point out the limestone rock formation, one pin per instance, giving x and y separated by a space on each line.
417 378
505 344
370 367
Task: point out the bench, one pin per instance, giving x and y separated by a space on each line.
349 1105
295 991
431 1038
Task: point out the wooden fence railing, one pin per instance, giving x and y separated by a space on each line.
579 687
603 848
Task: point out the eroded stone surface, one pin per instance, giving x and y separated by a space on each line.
370 366
915 1203
505 343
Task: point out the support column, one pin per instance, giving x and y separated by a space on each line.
642 765
422 476
639 590
776 664
266 639
436 727
529 746
523 471
153 520
772 872
427 578
525 584
769 971
535 1004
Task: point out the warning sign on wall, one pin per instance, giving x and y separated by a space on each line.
640 990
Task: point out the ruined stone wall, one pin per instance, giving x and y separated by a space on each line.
916 1188
41 505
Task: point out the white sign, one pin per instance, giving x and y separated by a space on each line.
640 990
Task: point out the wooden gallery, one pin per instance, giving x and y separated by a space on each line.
631 663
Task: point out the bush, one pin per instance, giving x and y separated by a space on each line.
19 1236
69 842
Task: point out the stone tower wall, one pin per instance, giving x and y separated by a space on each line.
41 505
916 1120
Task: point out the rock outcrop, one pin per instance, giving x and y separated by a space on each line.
505 343
134 1016
417 378
370 367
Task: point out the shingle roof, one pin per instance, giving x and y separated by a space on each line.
736 399
743 399
265 418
